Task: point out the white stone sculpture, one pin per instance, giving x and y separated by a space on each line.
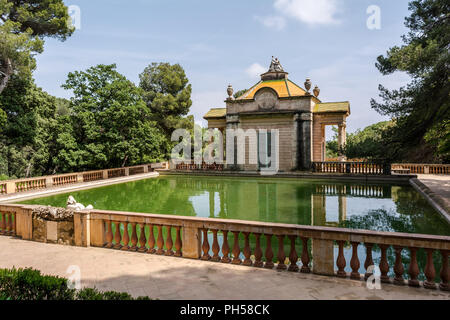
72 204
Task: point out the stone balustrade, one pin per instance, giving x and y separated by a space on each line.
366 168
423 168
294 248
196 167
29 184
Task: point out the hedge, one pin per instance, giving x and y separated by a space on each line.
30 284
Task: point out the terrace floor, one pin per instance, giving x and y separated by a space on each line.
176 278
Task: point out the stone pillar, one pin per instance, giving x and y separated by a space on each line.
127 171
105 174
97 233
306 140
10 187
80 177
48 182
295 143
342 139
191 242
232 123
146 169
24 223
82 230
323 257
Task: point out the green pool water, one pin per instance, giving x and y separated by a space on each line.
379 207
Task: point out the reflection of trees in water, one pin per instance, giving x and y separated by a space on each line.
417 222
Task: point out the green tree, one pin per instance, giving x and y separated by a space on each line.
109 125
167 93
26 136
24 25
422 108
239 93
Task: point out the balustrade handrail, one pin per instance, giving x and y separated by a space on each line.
69 174
184 236
315 232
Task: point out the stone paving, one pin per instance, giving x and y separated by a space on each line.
176 278
436 189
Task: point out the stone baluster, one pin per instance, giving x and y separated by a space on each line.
354 262
13 223
398 267
126 237
205 246
247 250
281 255
160 240
430 272
413 269
142 239
169 242
2 223
225 248
258 252
236 249
384 265
8 223
178 242
109 234
151 240
134 238
445 272
293 256
369 260
340 262
215 247
305 257
117 236
269 253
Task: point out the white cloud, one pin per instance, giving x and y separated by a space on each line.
255 70
311 12
275 22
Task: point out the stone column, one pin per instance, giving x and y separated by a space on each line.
232 123
295 143
342 137
306 140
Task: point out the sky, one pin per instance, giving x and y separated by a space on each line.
232 42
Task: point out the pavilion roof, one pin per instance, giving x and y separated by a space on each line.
331 107
283 87
216 113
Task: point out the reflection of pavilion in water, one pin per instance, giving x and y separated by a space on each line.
279 202
319 205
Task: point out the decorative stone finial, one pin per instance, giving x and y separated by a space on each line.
275 71
230 91
316 91
308 85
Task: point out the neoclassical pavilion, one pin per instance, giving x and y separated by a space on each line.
300 117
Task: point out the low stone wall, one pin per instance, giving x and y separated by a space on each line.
53 225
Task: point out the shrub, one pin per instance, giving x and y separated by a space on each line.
30 284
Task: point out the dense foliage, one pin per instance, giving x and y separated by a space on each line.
106 124
167 93
29 284
23 26
367 143
421 109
